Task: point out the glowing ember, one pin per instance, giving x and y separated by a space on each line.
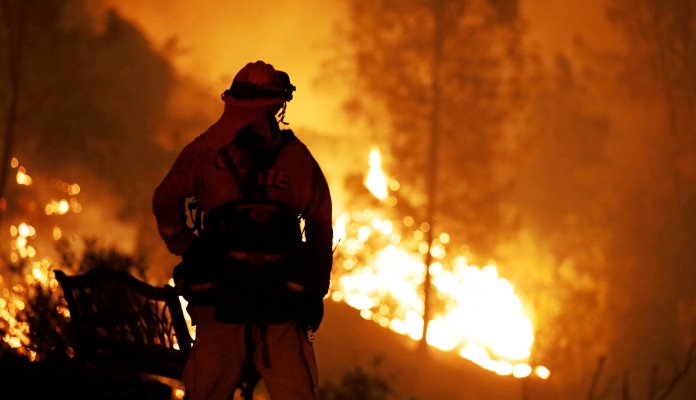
23 178
63 206
542 372
73 189
57 207
381 272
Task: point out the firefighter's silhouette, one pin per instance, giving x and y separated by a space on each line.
256 297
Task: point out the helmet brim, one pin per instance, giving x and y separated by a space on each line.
253 102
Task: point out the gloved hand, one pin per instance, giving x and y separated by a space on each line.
186 271
194 277
312 314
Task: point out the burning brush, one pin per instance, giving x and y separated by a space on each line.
379 270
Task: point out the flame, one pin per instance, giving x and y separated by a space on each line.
13 300
381 274
16 290
376 181
187 316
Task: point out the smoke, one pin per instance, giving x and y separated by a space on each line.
607 187
558 26
215 39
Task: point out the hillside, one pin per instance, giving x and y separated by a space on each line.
345 341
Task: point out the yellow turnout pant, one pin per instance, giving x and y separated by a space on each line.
283 356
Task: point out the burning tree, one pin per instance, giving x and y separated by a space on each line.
379 270
12 19
442 72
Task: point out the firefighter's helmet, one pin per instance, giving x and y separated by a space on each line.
258 84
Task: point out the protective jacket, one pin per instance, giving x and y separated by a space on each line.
294 179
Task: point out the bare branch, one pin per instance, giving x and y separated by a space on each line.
595 378
688 363
625 392
653 383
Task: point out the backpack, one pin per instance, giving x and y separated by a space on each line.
256 242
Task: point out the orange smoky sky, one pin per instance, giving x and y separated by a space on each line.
216 38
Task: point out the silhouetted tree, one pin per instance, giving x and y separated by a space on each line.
558 263
94 97
655 229
13 16
662 53
444 72
99 106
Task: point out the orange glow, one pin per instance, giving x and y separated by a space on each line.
57 207
73 189
299 55
482 319
542 372
35 271
13 301
63 206
187 317
376 181
23 178
38 272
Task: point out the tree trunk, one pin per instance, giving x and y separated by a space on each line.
14 21
432 164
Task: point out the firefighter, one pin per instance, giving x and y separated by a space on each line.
281 352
